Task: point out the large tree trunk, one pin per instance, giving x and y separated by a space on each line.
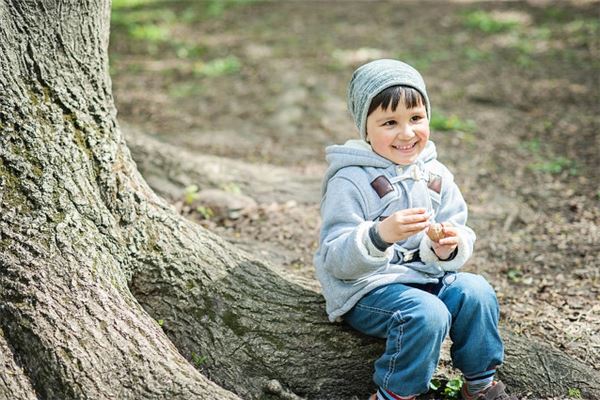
75 216
91 259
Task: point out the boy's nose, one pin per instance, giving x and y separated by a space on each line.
405 132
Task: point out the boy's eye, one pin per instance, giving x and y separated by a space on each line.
389 123
416 118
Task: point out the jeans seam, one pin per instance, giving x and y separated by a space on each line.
392 365
375 309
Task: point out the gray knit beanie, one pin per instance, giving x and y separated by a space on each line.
370 79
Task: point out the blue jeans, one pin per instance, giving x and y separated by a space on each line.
415 323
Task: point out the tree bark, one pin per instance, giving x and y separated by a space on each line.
169 169
73 208
13 381
105 292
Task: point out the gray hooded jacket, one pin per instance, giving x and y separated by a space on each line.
360 188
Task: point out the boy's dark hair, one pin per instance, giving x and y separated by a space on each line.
393 94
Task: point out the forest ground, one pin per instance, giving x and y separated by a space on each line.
515 93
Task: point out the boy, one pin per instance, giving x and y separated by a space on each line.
379 270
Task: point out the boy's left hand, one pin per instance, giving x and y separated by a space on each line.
445 246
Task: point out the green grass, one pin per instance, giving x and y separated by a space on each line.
205 212
449 391
185 89
190 194
555 166
129 18
231 187
198 360
440 122
150 22
216 8
485 22
186 50
150 32
476 55
514 275
123 4
533 146
217 67
148 29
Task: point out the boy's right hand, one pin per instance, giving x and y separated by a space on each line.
403 224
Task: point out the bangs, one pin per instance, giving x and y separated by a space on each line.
392 96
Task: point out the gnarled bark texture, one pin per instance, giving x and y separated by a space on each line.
107 293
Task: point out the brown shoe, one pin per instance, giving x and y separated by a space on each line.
495 392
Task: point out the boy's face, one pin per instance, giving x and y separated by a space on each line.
399 135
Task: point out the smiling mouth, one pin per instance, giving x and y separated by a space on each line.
407 147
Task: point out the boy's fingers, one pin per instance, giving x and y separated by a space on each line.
412 211
416 227
450 232
412 219
449 241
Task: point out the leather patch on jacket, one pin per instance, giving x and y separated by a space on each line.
382 186
435 183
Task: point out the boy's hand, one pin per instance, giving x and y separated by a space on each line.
403 224
445 246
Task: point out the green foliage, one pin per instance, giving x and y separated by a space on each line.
473 54
440 122
556 166
161 322
574 393
217 67
148 27
524 48
533 146
486 22
231 187
185 89
149 32
130 18
206 212
186 50
583 32
449 391
121 4
216 8
555 13
198 360
514 275
190 194
452 389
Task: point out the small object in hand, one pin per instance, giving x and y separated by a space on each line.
436 232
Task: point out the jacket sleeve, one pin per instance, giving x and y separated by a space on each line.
346 251
452 209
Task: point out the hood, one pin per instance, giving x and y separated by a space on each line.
359 153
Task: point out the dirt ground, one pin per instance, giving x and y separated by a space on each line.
515 93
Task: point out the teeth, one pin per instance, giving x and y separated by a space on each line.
404 147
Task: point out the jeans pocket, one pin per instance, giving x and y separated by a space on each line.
449 278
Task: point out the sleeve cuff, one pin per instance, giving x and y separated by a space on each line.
367 247
376 239
428 256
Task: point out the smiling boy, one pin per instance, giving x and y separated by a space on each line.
379 271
